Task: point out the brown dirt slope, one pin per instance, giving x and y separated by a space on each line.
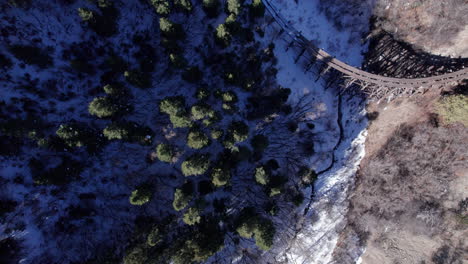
411 196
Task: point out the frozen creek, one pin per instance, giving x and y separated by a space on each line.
317 230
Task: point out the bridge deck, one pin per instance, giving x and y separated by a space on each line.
354 72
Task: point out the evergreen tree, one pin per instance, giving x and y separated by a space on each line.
116 131
103 106
202 93
72 134
196 139
223 35
261 176
196 164
211 7
229 97
116 90
154 237
192 216
172 105
234 6
185 5
239 131
217 133
86 14
165 152
181 199
264 234
257 9
201 110
162 7
141 195
170 29
307 175
220 176
180 120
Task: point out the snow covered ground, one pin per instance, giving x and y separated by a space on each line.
318 235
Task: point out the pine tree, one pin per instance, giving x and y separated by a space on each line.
103 106
154 237
239 131
172 105
181 199
233 6
220 176
165 152
162 7
261 176
211 8
196 139
196 164
141 195
192 216
116 131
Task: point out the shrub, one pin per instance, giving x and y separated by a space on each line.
162 7
141 195
196 164
220 176
165 152
239 131
192 216
234 6
454 108
31 55
181 199
184 5
259 143
261 176
117 131
103 106
138 78
154 237
211 8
